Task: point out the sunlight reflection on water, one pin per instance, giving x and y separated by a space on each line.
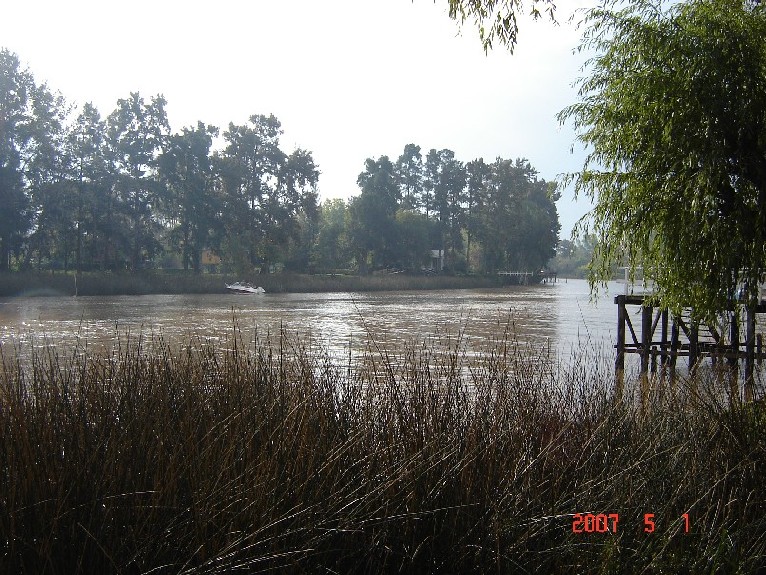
559 318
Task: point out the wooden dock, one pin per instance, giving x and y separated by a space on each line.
683 337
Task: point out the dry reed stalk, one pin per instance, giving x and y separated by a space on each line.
272 457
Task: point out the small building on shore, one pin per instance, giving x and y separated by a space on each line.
437 260
210 261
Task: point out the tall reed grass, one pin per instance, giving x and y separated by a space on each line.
271 457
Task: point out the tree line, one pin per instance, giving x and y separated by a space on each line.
85 192
439 212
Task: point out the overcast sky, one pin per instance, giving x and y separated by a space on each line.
348 79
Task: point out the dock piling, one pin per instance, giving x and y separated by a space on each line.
700 341
750 353
619 362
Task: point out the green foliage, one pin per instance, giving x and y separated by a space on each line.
446 179
45 175
673 114
373 212
265 189
413 232
125 193
409 173
477 181
192 202
332 249
90 180
17 137
573 257
505 206
137 133
516 220
496 19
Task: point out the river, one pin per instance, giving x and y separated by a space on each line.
560 317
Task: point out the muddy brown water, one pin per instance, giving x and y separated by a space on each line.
558 318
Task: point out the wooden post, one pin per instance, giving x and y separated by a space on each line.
646 351
674 342
693 345
646 337
733 340
749 353
674 336
733 360
619 362
664 341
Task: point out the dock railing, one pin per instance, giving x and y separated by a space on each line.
685 337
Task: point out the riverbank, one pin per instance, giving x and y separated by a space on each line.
144 283
271 458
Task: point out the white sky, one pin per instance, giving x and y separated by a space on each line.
348 79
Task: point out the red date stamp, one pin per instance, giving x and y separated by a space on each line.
608 522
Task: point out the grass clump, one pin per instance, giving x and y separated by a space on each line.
272 457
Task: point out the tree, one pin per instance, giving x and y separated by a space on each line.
137 133
409 173
295 221
250 168
186 167
445 177
497 18
413 231
373 213
505 206
538 226
331 248
673 114
104 226
477 179
16 138
267 192
47 179
499 215
89 171
430 181
517 220
573 256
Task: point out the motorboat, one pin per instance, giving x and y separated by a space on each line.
243 287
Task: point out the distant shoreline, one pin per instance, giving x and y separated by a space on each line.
26 284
